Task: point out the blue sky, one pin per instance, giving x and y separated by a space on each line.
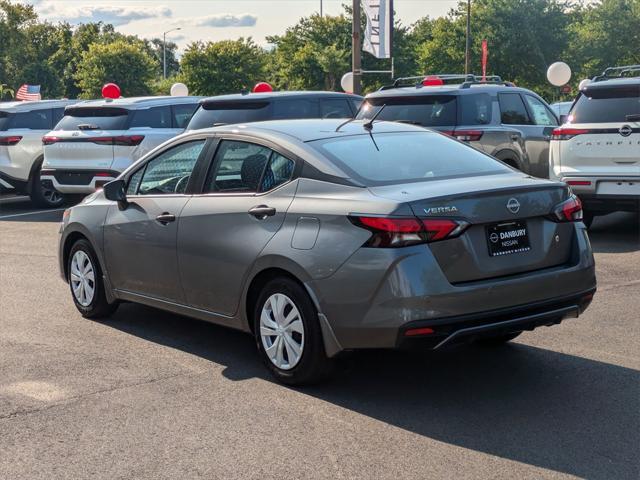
213 19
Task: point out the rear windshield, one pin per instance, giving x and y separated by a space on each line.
606 105
93 119
4 120
390 158
225 113
425 110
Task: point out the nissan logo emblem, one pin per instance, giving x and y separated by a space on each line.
494 237
625 130
513 205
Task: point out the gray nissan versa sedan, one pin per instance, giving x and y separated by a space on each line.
321 236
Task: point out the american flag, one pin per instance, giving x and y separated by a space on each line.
28 92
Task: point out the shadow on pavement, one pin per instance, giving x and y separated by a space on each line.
20 209
544 408
616 233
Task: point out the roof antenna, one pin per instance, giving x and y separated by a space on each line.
369 124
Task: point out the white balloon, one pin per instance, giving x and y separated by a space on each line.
179 90
347 82
583 83
558 74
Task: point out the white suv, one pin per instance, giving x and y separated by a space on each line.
98 139
597 152
22 125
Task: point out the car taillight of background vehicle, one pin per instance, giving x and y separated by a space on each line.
465 135
390 232
10 140
567 133
120 140
568 211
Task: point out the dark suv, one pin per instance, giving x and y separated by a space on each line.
510 123
256 107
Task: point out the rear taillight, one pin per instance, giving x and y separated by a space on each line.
564 133
579 183
465 135
10 140
120 140
390 232
568 211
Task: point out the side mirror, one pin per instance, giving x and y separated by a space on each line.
115 191
563 119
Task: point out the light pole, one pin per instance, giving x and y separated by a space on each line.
467 49
164 50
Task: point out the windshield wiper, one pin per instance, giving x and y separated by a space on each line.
634 117
88 126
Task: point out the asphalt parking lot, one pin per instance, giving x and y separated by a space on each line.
154 395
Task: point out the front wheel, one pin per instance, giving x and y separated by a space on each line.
42 195
288 333
85 280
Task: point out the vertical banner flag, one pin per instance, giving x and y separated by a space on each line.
28 92
485 54
378 36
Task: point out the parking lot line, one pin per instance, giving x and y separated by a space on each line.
31 213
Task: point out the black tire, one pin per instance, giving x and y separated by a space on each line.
41 196
313 365
497 340
587 218
98 307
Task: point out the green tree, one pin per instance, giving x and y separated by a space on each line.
126 64
228 66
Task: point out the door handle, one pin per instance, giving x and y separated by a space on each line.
165 218
262 211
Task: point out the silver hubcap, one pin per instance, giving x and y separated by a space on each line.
282 331
83 281
50 195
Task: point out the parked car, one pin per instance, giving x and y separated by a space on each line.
510 123
598 151
561 109
22 126
320 236
97 139
255 107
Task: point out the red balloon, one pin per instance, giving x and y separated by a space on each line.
110 90
262 87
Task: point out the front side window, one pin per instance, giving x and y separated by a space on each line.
513 110
170 171
155 117
541 114
425 110
238 167
134 182
394 158
182 114
335 108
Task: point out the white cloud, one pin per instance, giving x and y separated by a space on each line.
117 16
228 20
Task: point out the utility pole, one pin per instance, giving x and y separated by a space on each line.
164 50
467 50
320 8
356 47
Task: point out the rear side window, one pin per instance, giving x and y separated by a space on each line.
107 118
58 113
541 114
425 110
238 167
211 114
5 118
512 109
335 108
36 120
392 158
295 108
278 171
475 109
606 105
182 114
155 117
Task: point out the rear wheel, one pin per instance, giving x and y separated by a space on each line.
587 218
498 339
85 281
41 195
288 333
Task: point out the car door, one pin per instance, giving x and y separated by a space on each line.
222 231
140 240
538 135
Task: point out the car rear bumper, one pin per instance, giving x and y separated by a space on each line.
379 293
77 181
607 193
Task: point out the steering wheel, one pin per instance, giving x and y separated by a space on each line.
181 185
